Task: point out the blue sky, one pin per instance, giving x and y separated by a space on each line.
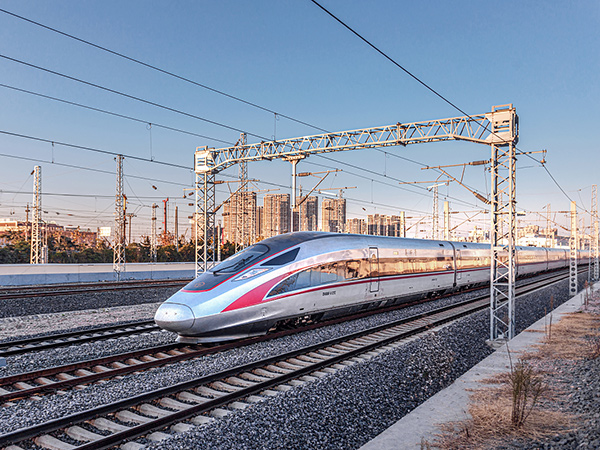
291 58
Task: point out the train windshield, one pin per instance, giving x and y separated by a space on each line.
241 259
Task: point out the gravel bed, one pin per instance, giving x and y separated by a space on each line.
343 410
67 355
27 306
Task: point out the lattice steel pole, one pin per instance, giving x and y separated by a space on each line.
435 212
205 207
36 237
118 247
573 252
503 226
240 200
594 238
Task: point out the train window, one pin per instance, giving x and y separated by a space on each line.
241 259
328 274
280 260
352 268
303 280
287 285
315 276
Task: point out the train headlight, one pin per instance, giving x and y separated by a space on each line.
250 274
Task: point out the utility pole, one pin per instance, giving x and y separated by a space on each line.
402 223
219 241
594 241
446 220
165 207
241 203
130 216
177 228
573 252
503 208
435 214
118 247
153 234
36 256
294 160
27 224
549 225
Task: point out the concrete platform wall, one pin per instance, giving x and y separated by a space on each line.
30 274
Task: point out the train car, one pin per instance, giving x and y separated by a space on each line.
316 275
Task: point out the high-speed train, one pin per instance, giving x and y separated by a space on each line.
317 275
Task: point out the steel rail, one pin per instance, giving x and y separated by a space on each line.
7 293
18 347
416 324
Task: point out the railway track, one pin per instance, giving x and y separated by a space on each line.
22 346
199 401
19 347
82 288
57 378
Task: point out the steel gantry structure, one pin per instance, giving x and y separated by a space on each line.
498 128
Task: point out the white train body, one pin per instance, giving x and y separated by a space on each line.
321 275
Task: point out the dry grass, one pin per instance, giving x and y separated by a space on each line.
575 337
491 424
570 337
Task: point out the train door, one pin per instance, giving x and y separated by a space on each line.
374 269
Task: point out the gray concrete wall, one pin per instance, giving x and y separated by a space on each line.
30 274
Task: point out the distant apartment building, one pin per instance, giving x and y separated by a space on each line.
260 220
308 215
239 218
333 213
76 235
478 234
356 226
276 214
382 225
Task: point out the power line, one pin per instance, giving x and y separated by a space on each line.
132 97
417 79
91 149
72 166
56 194
68 102
209 88
158 69
191 133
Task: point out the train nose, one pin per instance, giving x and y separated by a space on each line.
174 317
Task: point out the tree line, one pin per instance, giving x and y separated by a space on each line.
62 249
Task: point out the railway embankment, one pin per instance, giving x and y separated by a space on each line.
561 352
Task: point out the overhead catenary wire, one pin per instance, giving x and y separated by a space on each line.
421 82
123 116
258 106
146 101
131 97
158 69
